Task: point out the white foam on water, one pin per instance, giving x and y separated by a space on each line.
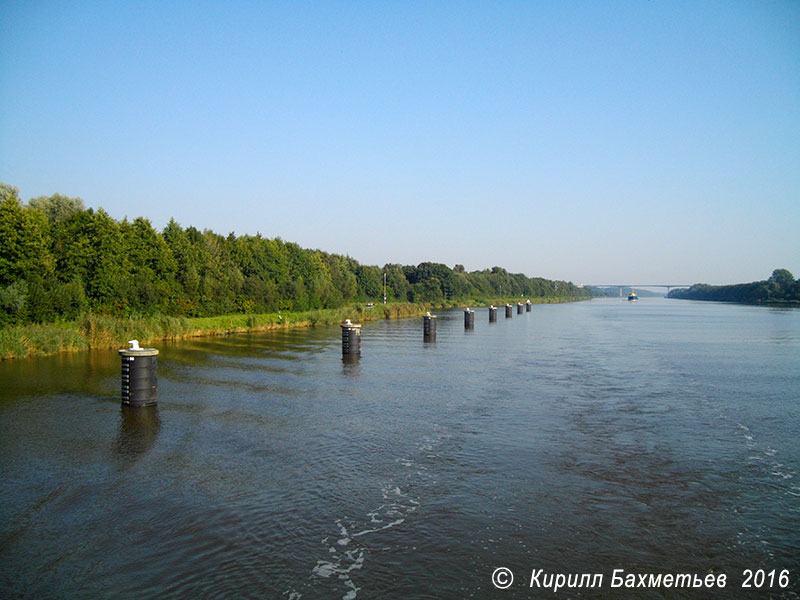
351 595
387 526
344 540
391 513
347 550
776 469
324 569
327 569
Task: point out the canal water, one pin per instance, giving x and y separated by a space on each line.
659 437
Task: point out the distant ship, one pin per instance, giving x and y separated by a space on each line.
632 297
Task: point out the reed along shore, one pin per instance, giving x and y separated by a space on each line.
97 332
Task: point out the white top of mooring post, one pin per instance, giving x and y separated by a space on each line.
133 349
347 324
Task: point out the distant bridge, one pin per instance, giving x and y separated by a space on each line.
669 286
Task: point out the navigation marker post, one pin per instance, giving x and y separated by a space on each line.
351 339
469 319
429 328
139 375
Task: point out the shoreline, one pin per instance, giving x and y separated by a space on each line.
97 332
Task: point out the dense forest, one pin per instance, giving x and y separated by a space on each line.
60 260
780 288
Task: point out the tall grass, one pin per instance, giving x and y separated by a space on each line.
103 331
18 341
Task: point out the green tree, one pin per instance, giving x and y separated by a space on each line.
13 299
57 207
24 249
152 266
8 191
784 281
370 282
89 246
396 283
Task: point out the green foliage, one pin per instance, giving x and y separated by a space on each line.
13 298
8 192
60 262
783 278
780 288
24 241
57 207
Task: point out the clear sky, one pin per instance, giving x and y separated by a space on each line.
598 142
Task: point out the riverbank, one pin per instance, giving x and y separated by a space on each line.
781 289
101 331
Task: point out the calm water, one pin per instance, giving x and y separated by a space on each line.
658 437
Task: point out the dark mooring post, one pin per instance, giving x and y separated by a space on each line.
519 308
528 306
469 319
429 327
351 339
492 314
508 311
139 375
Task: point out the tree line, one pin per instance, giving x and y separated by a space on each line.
780 288
60 260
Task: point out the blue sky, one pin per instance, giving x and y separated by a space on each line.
599 142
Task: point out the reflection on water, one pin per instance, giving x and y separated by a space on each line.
351 364
138 430
660 436
63 373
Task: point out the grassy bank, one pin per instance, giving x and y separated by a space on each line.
101 331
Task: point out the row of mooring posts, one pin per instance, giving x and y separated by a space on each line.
351 333
139 379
